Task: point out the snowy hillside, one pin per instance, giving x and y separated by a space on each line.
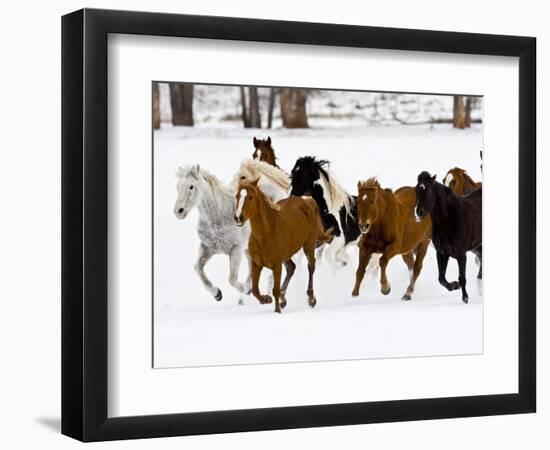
191 328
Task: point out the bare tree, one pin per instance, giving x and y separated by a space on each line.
244 109
293 108
459 112
181 100
254 108
271 107
468 112
156 106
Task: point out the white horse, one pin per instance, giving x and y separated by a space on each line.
216 228
274 182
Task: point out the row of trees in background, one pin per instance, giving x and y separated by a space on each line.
292 102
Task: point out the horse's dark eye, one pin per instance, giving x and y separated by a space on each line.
243 177
191 187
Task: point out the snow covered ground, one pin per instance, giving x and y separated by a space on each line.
192 329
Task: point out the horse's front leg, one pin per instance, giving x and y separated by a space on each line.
255 272
290 267
442 261
390 251
204 256
462 276
235 258
364 258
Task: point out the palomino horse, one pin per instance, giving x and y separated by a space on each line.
459 181
338 209
263 151
456 223
216 228
278 231
388 227
274 182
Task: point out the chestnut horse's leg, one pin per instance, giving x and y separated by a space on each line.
462 276
364 258
290 267
255 271
420 252
442 260
204 256
390 251
309 250
277 269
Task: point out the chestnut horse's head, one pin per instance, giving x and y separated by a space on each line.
247 201
458 181
425 196
367 204
263 151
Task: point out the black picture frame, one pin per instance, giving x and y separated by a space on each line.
84 224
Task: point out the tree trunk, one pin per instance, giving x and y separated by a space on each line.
244 110
270 107
255 118
293 108
156 106
181 100
468 112
459 113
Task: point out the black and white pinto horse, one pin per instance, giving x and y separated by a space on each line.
456 226
338 209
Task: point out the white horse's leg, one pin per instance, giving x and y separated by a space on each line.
341 256
374 265
332 248
235 257
204 256
318 254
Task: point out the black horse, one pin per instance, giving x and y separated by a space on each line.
338 209
456 226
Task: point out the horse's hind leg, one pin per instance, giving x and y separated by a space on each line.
290 267
477 252
277 269
235 257
204 256
420 253
409 261
309 250
462 276
442 261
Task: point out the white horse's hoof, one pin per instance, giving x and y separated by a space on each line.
218 295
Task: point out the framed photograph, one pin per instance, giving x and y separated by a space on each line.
273 224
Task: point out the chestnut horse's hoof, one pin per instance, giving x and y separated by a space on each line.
406 297
312 301
278 310
266 300
355 293
282 301
385 291
218 295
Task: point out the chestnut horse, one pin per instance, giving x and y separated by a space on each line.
388 226
264 151
459 181
278 231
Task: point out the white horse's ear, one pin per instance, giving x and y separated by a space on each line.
196 169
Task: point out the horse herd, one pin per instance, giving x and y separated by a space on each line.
268 215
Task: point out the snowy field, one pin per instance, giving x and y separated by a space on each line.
192 329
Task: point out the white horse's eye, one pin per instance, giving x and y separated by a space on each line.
191 187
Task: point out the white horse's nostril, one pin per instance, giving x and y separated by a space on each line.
180 211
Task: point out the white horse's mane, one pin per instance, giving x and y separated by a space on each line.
338 195
217 187
273 174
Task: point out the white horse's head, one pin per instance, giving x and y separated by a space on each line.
189 190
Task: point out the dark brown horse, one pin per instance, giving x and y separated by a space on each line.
278 231
459 181
264 151
388 226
